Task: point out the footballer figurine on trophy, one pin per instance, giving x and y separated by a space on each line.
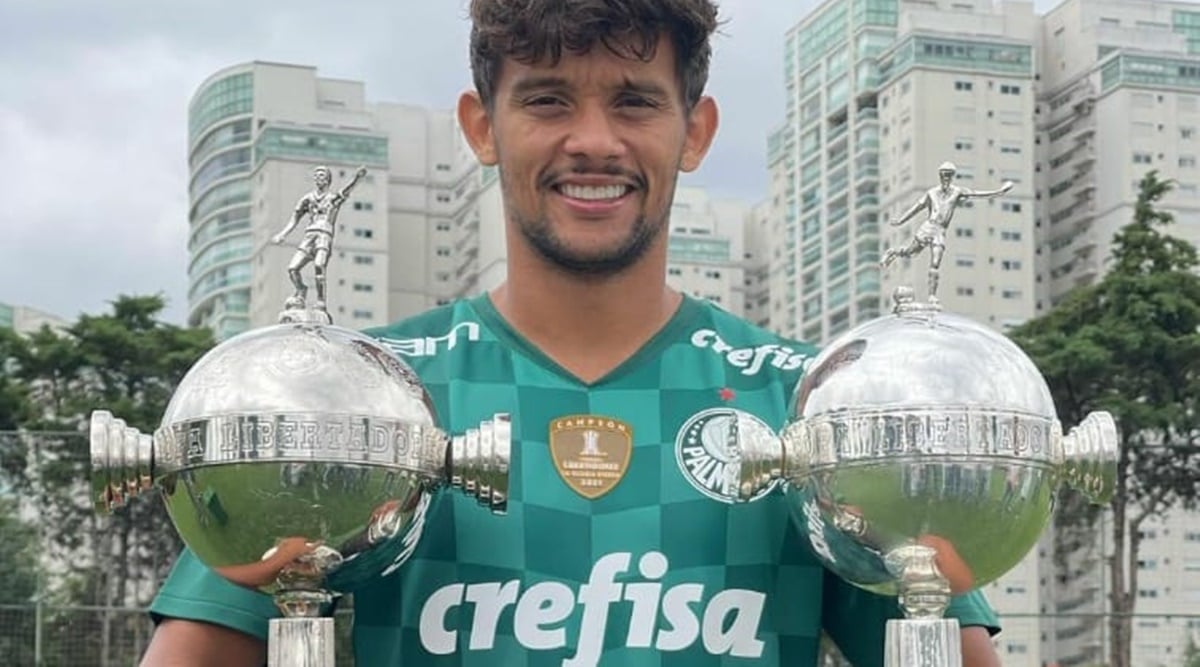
941 201
322 206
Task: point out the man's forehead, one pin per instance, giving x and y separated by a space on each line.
599 64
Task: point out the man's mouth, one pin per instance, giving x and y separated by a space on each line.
592 192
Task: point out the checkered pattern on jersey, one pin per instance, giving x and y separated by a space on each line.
551 533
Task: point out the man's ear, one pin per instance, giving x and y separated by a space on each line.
701 128
476 125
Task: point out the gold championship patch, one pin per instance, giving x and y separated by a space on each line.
590 452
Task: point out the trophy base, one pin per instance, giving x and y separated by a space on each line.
923 643
300 642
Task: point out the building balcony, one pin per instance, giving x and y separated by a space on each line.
1085 131
871 201
838 132
866 115
1084 244
866 175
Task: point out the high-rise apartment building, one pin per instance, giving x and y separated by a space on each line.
879 94
406 238
706 248
1120 95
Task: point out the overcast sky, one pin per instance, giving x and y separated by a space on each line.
93 99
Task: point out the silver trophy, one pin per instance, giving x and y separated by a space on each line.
299 460
922 455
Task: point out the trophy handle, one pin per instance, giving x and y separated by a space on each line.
1088 456
122 461
477 462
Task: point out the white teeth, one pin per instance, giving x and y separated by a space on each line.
593 191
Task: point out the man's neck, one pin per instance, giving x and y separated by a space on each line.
588 325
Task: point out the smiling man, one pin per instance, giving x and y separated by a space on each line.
621 545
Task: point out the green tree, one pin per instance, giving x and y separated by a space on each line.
127 362
1191 653
19 583
1129 345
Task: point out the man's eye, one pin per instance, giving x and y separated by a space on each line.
637 101
543 100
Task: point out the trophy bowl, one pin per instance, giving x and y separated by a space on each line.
929 428
298 459
922 456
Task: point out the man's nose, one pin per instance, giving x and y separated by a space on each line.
595 134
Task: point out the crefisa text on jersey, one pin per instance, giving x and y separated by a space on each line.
726 624
750 359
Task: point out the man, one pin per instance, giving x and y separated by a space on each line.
941 202
589 109
322 207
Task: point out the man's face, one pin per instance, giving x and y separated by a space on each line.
589 151
946 177
321 178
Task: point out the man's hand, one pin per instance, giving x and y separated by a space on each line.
362 171
977 648
278 238
1008 185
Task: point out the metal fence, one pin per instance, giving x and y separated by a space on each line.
50 636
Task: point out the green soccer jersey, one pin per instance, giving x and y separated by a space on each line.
619 546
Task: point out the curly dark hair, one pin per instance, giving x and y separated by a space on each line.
529 31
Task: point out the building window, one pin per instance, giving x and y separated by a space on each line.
442 166
963 145
1011 265
363 287
362 315
1142 158
1187 132
1010 150
674 271
1187 161
443 252
1008 89
364 206
443 197
963 85
1010 236
364 259
1011 294
363 233
965 291
1011 206
712 274
443 226
965 261
964 232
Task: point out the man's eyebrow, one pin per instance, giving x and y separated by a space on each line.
551 82
544 82
648 88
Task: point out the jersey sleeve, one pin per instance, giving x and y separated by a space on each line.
194 592
856 619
